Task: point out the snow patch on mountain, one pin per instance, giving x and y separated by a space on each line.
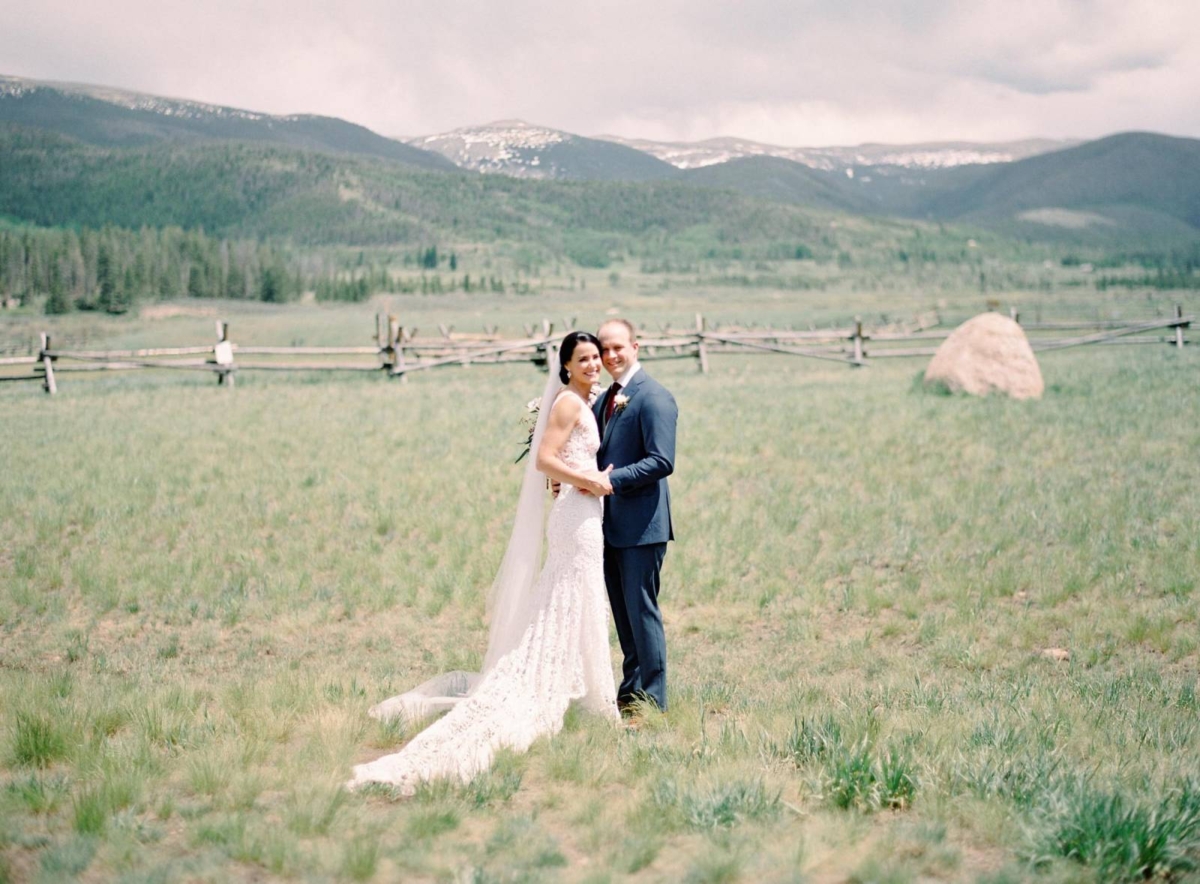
11 87
511 147
184 110
936 155
16 87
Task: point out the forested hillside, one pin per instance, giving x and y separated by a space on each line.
113 118
1138 181
235 189
782 180
115 198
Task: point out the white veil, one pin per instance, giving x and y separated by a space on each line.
510 600
509 603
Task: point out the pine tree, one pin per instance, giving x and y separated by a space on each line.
106 275
129 290
272 284
57 302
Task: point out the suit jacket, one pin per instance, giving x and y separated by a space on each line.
639 441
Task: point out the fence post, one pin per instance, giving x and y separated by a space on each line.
398 364
1179 328
48 383
223 355
389 349
1014 315
858 339
701 347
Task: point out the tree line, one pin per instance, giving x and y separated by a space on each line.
111 269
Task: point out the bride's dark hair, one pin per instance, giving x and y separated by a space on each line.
567 348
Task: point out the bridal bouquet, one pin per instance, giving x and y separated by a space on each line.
530 418
532 407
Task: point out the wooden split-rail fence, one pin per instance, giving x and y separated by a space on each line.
398 352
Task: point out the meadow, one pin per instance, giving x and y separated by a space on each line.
912 637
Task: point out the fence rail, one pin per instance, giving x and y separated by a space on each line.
398 352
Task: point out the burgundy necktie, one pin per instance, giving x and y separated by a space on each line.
611 405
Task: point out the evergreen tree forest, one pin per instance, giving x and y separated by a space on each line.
113 269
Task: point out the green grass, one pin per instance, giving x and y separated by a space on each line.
1122 836
203 590
38 740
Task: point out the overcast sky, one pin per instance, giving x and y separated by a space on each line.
793 72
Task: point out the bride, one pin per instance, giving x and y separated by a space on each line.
548 636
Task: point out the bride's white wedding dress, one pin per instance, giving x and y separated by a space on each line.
562 653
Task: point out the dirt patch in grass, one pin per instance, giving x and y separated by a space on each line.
169 311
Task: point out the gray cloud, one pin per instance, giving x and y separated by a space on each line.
800 72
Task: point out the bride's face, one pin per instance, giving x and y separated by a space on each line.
584 365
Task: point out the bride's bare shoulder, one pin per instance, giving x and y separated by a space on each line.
567 403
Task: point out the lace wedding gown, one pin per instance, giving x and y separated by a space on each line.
563 654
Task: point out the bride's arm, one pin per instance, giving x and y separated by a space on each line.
563 417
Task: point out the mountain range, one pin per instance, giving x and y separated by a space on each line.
931 155
522 150
118 118
1133 185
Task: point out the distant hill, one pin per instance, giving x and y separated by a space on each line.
781 180
116 118
522 150
80 155
1133 182
926 155
239 189
1131 186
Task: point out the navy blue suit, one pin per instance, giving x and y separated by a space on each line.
639 441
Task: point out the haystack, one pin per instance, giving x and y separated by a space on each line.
987 354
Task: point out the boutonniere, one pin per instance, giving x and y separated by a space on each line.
619 402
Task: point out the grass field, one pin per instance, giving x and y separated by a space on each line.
202 590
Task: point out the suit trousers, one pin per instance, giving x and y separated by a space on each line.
632 576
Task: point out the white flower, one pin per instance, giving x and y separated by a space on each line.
596 392
620 401
529 419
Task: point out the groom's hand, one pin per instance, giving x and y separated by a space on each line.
605 482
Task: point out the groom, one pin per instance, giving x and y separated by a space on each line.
637 438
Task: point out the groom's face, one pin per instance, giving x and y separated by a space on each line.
618 350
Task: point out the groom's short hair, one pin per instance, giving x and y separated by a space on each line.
617 320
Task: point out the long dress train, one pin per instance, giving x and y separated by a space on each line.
563 654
